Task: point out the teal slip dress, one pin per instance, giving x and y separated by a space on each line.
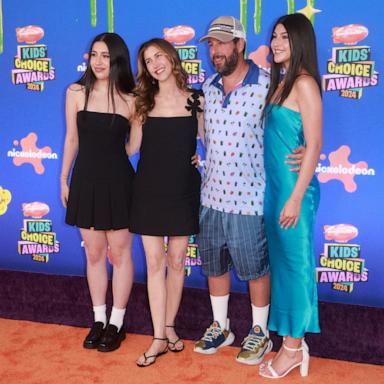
294 306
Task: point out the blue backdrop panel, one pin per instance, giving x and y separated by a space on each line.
42 47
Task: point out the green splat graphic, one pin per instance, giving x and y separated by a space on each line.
93 9
312 4
258 9
291 6
257 17
110 16
244 13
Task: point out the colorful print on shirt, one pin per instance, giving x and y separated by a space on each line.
233 175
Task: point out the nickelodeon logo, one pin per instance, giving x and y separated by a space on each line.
341 169
83 66
31 154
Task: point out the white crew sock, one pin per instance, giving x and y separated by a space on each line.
260 317
220 309
100 313
117 317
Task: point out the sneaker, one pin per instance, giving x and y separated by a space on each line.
214 338
254 347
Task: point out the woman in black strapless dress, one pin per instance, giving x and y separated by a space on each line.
98 111
166 192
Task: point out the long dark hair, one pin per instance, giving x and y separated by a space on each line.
147 87
120 76
302 43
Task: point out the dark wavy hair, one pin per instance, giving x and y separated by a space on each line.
147 87
120 76
302 42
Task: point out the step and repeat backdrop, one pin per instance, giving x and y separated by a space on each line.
43 47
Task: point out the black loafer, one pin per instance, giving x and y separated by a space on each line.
94 336
111 339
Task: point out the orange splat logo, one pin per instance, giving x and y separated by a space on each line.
260 57
31 154
340 168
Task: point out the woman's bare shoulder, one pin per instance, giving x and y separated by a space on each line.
76 88
76 92
306 83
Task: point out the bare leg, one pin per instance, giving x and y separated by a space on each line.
95 244
176 254
156 265
120 243
259 291
219 285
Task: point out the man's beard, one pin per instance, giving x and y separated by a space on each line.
229 65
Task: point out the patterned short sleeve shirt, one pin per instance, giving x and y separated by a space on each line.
233 174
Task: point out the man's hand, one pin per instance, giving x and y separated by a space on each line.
195 160
295 158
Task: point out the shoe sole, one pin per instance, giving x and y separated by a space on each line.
228 341
88 346
257 360
100 348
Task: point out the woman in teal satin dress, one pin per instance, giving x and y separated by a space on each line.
293 117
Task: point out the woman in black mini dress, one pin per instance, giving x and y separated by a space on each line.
99 108
166 192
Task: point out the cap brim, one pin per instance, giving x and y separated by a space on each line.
223 37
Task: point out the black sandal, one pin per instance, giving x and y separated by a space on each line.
172 344
155 356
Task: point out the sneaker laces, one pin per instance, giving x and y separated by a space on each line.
251 342
211 333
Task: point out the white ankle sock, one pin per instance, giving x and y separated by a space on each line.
100 313
117 317
260 317
220 309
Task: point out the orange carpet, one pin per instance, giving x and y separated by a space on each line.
35 353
